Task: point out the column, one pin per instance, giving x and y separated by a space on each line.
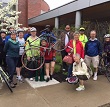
78 20
56 22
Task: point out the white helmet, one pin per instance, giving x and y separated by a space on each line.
107 36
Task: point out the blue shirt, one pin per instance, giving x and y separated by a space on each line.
26 36
93 48
7 38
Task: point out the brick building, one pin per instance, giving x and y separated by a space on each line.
31 8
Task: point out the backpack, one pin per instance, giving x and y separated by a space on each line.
89 70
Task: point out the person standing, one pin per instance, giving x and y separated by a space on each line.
21 41
93 49
83 38
32 42
12 54
2 53
65 38
49 59
74 46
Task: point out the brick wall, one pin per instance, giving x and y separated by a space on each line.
29 9
35 7
23 17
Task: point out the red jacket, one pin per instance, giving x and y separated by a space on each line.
79 48
48 55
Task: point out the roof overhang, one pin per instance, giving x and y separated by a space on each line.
65 9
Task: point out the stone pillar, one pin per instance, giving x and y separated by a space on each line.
78 19
56 22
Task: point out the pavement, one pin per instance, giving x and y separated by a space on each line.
97 93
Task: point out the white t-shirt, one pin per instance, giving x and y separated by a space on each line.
21 44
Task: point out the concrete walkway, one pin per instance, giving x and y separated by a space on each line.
97 93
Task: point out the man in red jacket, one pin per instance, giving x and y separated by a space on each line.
74 46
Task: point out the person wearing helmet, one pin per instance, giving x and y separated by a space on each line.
49 59
107 46
2 53
83 38
32 42
21 41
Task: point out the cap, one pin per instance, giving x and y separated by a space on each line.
107 36
82 29
33 29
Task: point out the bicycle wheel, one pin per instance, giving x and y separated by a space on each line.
101 67
108 72
35 62
59 44
6 81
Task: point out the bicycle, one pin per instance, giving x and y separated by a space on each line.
38 61
104 66
5 78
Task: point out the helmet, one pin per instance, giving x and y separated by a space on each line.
20 30
107 36
72 80
82 29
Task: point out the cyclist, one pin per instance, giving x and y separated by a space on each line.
49 59
107 46
12 53
32 42
21 41
47 33
83 38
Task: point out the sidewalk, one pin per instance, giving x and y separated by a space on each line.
97 93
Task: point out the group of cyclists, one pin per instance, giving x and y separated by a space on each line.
82 50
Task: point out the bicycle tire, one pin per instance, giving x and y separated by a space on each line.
108 72
6 81
101 67
25 64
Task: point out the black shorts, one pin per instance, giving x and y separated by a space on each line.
19 64
48 61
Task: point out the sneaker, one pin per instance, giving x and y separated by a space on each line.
95 78
67 78
51 77
12 85
47 79
80 88
31 79
63 69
